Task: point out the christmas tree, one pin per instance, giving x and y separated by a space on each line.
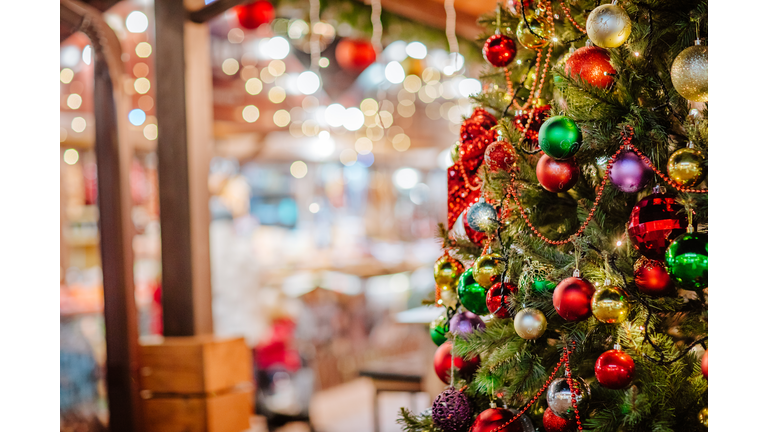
577 220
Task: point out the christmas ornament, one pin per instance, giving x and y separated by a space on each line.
355 54
448 297
686 166
516 7
591 64
539 116
608 26
559 396
654 222
437 330
442 363
560 137
609 305
651 277
252 15
530 323
498 299
614 369
447 272
689 73
704 417
629 173
542 31
499 50
500 156
543 285
451 411
557 176
464 323
475 237
471 294
492 419
687 260
573 299
488 269
482 217
705 365
555 423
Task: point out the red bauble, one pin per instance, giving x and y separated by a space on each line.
555 423
705 365
591 64
355 54
490 420
252 15
573 298
498 303
614 369
475 237
557 175
443 363
651 278
500 156
540 115
654 223
499 50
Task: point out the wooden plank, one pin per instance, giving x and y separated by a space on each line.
221 413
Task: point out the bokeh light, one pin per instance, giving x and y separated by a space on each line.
416 50
363 145
136 22
137 117
405 178
281 118
250 113
394 72
299 169
314 208
141 85
401 142
74 101
143 49
335 115
235 36
66 75
150 131
71 156
276 94
308 82
348 157
354 119
78 124
230 66
253 86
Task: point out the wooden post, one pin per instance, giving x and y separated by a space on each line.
184 121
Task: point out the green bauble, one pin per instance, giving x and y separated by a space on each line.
687 260
559 137
543 286
471 294
437 330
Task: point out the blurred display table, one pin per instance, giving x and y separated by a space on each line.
402 373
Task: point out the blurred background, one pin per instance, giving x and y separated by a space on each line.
327 180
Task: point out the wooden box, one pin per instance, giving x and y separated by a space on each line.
229 412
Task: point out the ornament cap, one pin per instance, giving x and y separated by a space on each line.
690 144
576 273
690 229
697 42
617 346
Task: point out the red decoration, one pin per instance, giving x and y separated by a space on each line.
654 222
497 304
252 15
475 237
555 423
491 419
355 54
705 365
614 369
500 156
651 278
443 363
464 189
591 64
573 298
557 175
499 50
540 115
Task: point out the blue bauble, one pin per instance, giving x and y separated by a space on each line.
482 217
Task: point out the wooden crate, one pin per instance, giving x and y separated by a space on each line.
229 412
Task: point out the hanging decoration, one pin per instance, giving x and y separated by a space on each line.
591 64
557 175
705 365
499 50
651 278
559 396
690 73
476 237
471 294
608 26
529 122
437 330
355 55
482 217
629 173
610 305
252 15
555 423
451 411
615 369
501 420
654 222
488 269
687 260
500 156
535 30
499 298
560 137
442 363
530 323
686 167
464 323
573 298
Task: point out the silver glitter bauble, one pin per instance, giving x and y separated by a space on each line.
482 217
689 73
559 396
530 323
608 26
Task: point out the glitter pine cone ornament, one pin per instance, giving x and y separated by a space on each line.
573 298
608 26
690 73
495 419
651 278
591 64
655 221
499 50
499 298
615 369
559 397
629 173
451 411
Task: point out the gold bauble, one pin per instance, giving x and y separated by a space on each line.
530 323
540 26
609 305
686 167
608 26
447 272
487 269
448 297
704 417
689 73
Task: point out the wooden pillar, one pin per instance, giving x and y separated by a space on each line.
185 136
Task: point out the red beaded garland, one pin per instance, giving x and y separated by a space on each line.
614 369
533 119
499 50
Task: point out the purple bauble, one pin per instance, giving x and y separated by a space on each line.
629 173
465 323
451 411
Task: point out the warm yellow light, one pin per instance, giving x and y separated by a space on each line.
386 118
363 145
430 74
235 36
143 49
401 142
348 157
374 133
141 85
250 113
66 75
150 131
74 101
71 156
324 62
276 68
298 169
146 102
310 128
276 94
266 75
369 106
406 108
140 70
253 86
281 118
412 83
78 124
230 66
